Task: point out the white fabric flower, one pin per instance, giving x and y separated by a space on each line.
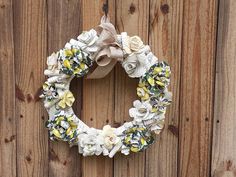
125 150
133 66
90 143
137 64
143 115
123 39
53 65
88 38
135 43
142 111
52 62
86 41
156 124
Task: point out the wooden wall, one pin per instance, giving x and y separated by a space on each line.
196 37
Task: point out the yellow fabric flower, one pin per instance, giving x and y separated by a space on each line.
67 63
56 133
142 93
68 53
154 109
157 70
151 81
76 71
160 83
66 100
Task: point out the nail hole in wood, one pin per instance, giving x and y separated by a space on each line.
28 158
53 156
165 8
19 94
132 8
10 139
29 97
229 163
64 163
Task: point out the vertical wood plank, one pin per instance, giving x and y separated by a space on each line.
30 31
224 131
196 103
131 16
165 36
98 99
64 20
7 90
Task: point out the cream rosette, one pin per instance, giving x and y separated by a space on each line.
105 47
138 58
130 44
112 142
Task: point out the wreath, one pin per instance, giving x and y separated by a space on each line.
105 47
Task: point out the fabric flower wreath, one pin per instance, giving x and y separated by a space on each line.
105 47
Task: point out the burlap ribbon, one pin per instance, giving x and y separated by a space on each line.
110 51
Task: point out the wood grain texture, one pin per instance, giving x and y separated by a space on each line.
197 76
183 33
132 16
98 99
7 90
165 35
224 131
64 22
30 34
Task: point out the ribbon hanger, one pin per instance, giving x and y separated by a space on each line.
110 51
105 8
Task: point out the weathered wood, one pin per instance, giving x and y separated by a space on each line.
132 17
224 134
181 32
64 20
30 32
7 90
197 75
165 36
98 99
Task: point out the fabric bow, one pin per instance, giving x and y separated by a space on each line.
110 51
